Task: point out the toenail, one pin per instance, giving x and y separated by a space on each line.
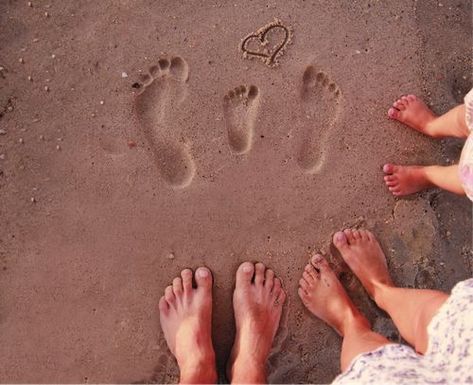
340 237
247 269
203 273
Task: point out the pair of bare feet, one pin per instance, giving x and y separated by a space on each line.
186 308
186 313
413 112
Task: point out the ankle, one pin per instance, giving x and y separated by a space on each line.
379 293
199 370
354 321
248 371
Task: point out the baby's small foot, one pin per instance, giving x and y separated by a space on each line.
405 180
324 296
413 112
185 314
362 253
257 303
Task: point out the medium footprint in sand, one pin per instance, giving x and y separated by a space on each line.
321 104
157 106
240 108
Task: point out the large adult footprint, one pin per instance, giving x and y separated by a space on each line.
321 104
158 109
240 108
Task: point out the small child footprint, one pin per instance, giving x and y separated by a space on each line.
321 108
164 89
240 108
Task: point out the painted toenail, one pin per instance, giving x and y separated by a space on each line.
202 273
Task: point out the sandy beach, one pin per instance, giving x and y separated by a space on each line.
141 137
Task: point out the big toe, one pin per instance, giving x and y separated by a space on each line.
393 113
203 278
389 168
320 263
244 274
340 240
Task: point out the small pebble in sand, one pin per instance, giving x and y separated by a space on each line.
46 14
448 233
124 75
93 115
46 88
30 4
35 40
21 141
21 60
58 147
10 108
171 256
2 131
131 144
30 78
2 156
33 200
41 137
53 56
102 102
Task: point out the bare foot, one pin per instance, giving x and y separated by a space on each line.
257 301
324 296
413 112
185 314
405 180
362 253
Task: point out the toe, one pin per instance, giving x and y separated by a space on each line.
349 234
405 100
319 262
363 235
392 183
340 240
302 293
307 277
399 105
163 306
244 274
259 273
309 269
389 178
177 286
269 279
303 283
169 295
393 113
370 235
281 298
411 97
203 278
356 234
389 168
277 287
186 275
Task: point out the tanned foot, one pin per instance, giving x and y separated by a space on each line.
405 180
324 296
185 314
362 253
257 303
414 113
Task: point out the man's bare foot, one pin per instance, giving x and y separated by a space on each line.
185 314
257 302
405 180
324 296
362 253
413 112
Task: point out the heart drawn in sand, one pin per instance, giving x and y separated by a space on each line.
259 42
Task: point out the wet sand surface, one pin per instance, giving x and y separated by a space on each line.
112 181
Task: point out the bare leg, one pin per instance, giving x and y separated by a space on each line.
185 314
413 112
257 303
405 180
324 296
411 309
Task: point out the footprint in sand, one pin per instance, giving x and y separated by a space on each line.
240 108
157 106
321 105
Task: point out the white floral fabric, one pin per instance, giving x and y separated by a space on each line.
449 357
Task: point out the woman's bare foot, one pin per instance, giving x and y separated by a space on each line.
414 113
405 180
257 301
185 314
362 253
324 296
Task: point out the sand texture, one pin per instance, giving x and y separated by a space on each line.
137 140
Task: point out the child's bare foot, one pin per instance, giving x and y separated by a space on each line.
324 296
362 253
413 112
405 180
257 303
185 314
